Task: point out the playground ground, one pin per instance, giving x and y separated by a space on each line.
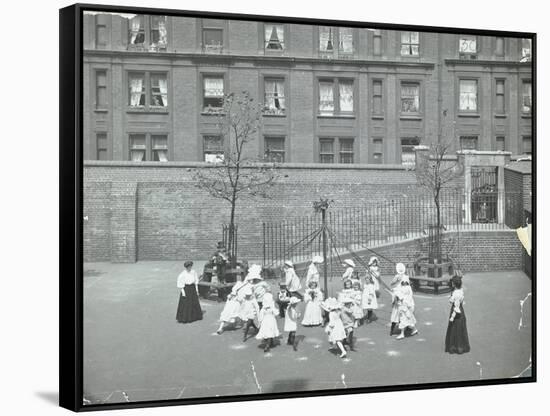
134 349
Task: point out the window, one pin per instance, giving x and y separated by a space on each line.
148 32
274 37
377 97
156 96
525 50
335 96
274 96
138 148
500 143
346 150
410 97
408 157
377 151
213 93
410 43
212 40
467 47
526 97
468 95
526 145
326 150
101 32
377 42
468 142
102 152
499 47
500 97
101 89
213 149
148 147
274 149
336 42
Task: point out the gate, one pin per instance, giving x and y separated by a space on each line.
484 195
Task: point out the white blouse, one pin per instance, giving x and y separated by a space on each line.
457 298
187 278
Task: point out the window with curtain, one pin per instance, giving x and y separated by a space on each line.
526 97
410 97
101 89
525 50
345 40
468 142
213 149
136 89
159 90
410 43
158 31
326 150
137 30
468 95
102 146
274 96
212 40
467 45
326 39
213 92
274 37
138 147
346 150
336 96
500 107
274 149
408 157
377 98
326 97
377 151
159 148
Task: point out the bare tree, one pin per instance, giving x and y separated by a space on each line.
237 173
436 170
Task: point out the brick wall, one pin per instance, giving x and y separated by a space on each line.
159 212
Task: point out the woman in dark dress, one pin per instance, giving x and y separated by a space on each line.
456 340
189 308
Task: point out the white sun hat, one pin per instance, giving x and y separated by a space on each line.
372 260
349 262
317 259
400 268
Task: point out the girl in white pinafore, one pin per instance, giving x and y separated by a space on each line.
291 322
357 307
313 314
395 285
405 304
335 328
232 310
268 323
369 302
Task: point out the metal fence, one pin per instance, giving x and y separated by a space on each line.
379 223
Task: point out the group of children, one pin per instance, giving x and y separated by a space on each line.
251 300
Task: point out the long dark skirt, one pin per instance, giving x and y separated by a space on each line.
456 340
189 308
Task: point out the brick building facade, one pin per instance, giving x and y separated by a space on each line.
330 94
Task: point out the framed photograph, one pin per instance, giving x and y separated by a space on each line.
257 207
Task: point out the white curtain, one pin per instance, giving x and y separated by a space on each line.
346 96
468 95
274 35
136 89
163 87
468 45
527 92
410 98
274 94
213 87
326 97
163 35
138 155
135 27
162 155
325 39
346 39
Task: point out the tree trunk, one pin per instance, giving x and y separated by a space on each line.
231 233
438 229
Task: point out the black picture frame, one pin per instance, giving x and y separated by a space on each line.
71 207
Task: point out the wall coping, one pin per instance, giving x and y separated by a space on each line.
522 167
309 166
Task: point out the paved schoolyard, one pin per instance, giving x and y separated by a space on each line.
135 350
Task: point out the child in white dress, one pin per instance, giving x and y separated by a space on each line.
348 320
291 317
231 312
396 284
335 328
405 304
347 291
249 311
313 314
369 300
357 308
268 324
